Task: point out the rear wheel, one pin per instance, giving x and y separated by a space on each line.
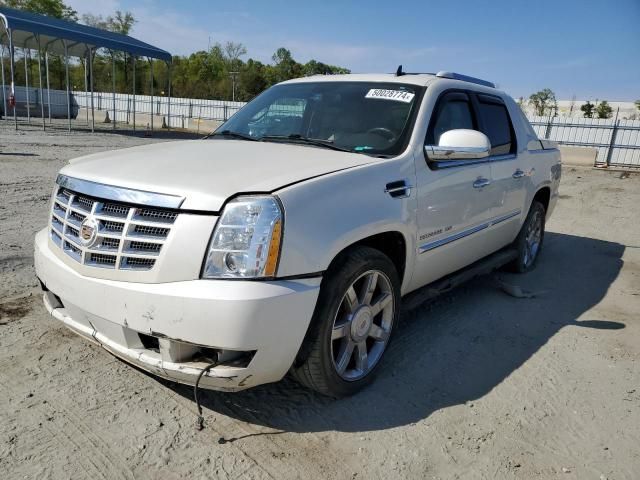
528 243
351 328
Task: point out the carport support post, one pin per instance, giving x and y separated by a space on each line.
133 61
66 68
26 83
46 68
124 77
4 93
86 86
93 117
40 81
151 64
12 68
169 65
113 93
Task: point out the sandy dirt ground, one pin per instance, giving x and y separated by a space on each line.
478 384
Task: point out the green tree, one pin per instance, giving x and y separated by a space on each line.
284 68
543 102
207 74
588 109
200 74
232 52
96 21
637 103
251 80
121 22
604 110
51 8
313 67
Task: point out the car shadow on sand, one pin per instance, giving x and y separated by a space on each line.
451 351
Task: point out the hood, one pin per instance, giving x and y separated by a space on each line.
208 172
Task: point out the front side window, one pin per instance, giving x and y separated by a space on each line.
454 112
362 117
496 125
281 117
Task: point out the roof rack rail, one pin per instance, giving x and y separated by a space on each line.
464 78
400 72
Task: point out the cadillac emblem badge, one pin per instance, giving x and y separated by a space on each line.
88 231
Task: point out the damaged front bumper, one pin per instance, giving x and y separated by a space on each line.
173 330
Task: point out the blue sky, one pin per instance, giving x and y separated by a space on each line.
587 48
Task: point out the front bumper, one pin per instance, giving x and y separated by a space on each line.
267 318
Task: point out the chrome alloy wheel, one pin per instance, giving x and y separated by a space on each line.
362 325
533 238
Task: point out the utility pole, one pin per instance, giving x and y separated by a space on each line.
233 76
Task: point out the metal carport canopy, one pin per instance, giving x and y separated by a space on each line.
52 33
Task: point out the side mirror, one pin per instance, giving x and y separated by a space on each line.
459 144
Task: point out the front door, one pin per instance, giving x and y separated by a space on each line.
455 200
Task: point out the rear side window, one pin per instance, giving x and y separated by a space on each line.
496 125
454 112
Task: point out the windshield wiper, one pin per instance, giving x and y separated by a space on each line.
297 138
231 134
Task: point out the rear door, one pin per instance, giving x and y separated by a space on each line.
508 170
454 198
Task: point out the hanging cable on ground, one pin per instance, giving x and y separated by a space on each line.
200 419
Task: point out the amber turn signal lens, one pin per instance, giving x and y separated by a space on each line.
274 250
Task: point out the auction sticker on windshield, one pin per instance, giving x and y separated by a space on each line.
397 95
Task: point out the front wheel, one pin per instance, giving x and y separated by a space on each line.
351 327
528 243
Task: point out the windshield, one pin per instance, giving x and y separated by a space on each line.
361 117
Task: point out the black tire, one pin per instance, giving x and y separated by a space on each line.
315 366
526 259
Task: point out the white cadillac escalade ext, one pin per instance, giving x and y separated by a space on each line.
285 241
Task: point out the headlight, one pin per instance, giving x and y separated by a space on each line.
246 239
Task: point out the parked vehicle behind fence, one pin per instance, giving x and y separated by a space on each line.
286 241
29 102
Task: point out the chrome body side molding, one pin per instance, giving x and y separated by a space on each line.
465 233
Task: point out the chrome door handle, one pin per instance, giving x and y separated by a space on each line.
481 182
518 174
398 189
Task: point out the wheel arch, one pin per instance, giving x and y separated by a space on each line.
542 195
391 243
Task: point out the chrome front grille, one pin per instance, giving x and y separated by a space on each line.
127 238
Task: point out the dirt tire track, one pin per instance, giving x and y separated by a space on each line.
66 425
